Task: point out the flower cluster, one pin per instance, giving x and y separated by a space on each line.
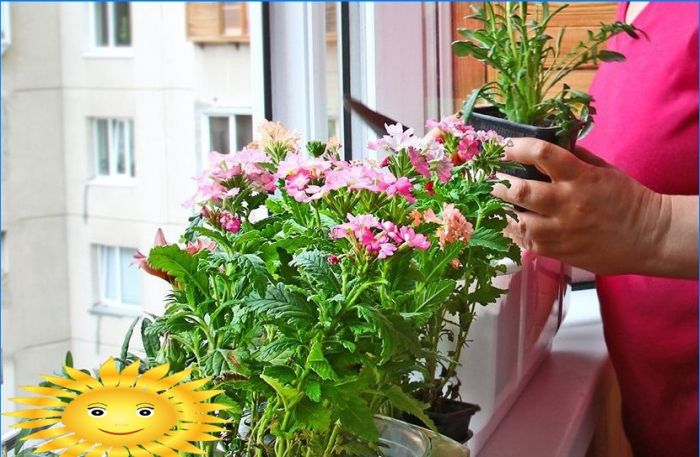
453 226
276 140
215 183
309 179
380 238
463 141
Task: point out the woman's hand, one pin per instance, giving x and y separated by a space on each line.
594 216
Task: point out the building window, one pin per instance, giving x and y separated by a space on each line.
209 22
227 133
112 24
118 277
113 143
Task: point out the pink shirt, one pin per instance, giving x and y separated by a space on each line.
647 125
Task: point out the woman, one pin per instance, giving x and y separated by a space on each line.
630 214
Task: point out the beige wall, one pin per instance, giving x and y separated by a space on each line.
54 211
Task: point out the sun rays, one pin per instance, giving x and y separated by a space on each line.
120 413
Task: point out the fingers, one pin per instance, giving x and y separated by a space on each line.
555 162
590 158
533 232
532 195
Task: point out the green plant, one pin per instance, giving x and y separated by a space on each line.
314 291
530 64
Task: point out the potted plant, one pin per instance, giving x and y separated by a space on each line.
314 292
456 205
528 97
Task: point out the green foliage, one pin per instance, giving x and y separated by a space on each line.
530 64
310 336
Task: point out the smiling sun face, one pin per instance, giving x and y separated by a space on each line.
121 413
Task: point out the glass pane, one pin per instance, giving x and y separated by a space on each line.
131 277
101 146
244 130
108 272
332 69
219 138
122 24
101 24
233 19
130 150
119 145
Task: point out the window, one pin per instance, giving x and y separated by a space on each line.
227 133
118 277
113 143
217 22
112 24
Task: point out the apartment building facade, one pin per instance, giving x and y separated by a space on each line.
107 111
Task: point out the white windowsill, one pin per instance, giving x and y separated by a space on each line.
109 53
563 396
116 310
113 181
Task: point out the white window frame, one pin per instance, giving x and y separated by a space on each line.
92 49
231 113
102 301
5 24
380 53
130 153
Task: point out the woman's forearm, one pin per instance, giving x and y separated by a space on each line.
674 249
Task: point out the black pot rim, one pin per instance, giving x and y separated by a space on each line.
493 113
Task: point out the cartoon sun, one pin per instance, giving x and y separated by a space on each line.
120 414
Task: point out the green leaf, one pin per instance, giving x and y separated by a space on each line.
404 402
319 364
355 415
610 56
286 393
178 263
433 294
314 264
123 353
283 374
69 359
489 239
314 416
312 389
151 341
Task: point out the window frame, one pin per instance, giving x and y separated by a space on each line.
129 156
101 301
93 50
231 113
6 28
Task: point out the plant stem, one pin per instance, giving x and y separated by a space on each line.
331 441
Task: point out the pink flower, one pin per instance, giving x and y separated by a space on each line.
380 239
419 162
386 250
229 221
451 125
467 149
397 139
413 239
141 260
199 245
453 225
333 259
214 184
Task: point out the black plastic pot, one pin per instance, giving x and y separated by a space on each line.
490 118
452 420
